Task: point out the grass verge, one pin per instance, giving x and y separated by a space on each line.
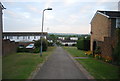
20 65
97 68
75 52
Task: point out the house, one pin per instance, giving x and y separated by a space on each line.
24 36
61 38
73 38
103 27
68 42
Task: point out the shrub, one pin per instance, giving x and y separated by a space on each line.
20 49
50 43
116 53
44 44
36 50
97 50
80 44
66 44
83 44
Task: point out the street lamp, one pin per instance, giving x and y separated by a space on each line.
42 29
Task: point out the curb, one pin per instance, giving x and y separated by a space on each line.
85 72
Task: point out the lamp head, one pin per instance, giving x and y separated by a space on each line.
49 9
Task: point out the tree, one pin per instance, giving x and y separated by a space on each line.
44 44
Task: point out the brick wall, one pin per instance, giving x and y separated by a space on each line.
9 47
107 46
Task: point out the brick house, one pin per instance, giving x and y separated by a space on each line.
103 27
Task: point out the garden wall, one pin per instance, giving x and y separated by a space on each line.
9 47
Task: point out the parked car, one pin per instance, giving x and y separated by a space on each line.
30 46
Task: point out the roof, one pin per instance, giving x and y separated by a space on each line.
111 14
2 6
108 14
23 33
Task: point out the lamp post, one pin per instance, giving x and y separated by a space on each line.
42 30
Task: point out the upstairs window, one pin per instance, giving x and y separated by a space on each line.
117 22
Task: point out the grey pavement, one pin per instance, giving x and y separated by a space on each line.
59 66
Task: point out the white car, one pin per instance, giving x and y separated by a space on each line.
30 46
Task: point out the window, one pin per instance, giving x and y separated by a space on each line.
10 37
117 22
17 37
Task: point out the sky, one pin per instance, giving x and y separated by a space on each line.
66 16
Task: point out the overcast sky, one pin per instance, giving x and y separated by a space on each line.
67 16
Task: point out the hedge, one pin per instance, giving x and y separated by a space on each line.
83 44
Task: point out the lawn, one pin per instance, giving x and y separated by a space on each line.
75 52
20 65
97 68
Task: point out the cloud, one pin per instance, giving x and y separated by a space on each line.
33 9
67 1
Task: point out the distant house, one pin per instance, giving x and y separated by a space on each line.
68 42
103 27
73 38
23 36
61 38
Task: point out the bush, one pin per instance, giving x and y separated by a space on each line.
83 44
44 44
50 43
97 50
66 44
80 44
20 49
24 50
36 50
116 52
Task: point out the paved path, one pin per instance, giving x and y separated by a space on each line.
59 66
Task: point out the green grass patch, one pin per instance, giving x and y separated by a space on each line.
97 68
75 52
20 65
